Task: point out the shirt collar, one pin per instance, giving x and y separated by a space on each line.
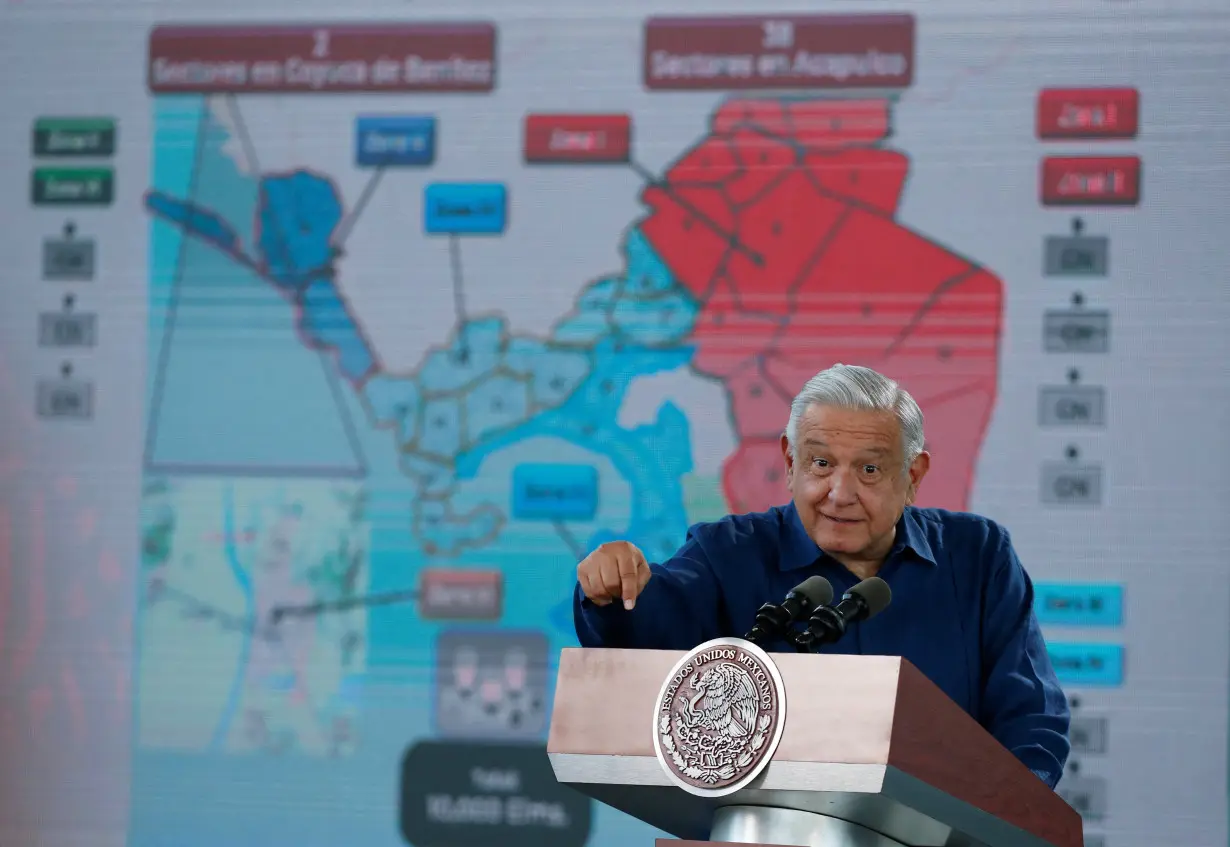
799 551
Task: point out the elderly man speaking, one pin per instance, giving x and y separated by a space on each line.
962 608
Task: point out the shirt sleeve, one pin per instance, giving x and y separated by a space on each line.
679 608
1023 705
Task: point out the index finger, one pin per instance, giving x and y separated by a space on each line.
629 565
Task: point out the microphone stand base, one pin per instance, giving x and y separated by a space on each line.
765 825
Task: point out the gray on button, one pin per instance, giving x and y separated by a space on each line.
1072 405
1076 255
67 329
65 398
1086 794
1076 331
1088 734
1071 484
68 259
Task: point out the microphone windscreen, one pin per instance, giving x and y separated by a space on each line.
876 593
817 590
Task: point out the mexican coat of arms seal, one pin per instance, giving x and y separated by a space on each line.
719 717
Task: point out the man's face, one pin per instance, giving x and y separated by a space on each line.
847 477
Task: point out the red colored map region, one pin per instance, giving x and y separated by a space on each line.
781 222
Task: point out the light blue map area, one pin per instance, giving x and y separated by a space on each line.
236 383
260 370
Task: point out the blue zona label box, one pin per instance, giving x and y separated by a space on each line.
555 492
1087 664
1078 604
465 208
395 141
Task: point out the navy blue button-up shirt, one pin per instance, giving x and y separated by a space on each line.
962 613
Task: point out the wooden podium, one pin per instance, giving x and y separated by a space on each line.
871 754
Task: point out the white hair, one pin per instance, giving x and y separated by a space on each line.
854 387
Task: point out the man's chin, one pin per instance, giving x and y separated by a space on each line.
847 538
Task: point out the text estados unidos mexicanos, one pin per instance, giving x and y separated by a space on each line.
317 73
764 685
803 63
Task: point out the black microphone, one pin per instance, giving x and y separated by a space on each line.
828 623
773 621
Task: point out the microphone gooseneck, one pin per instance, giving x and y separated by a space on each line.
828 624
774 621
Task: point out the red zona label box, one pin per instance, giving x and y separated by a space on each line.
1088 113
578 138
453 594
1090 181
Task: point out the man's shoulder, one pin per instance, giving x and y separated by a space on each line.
957 521
741 529
960 533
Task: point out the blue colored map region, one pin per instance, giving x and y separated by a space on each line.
266 373
207 225
298 213
325 323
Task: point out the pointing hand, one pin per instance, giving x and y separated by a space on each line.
616 570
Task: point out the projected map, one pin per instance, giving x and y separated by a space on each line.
336 343
300 486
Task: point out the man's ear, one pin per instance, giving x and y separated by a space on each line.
788 457
917 470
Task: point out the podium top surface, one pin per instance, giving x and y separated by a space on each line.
864 737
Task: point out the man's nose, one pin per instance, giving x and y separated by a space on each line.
842 489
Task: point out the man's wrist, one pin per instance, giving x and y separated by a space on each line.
605 609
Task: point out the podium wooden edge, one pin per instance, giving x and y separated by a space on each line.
979 771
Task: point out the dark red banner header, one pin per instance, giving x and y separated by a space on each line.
779 51
322 58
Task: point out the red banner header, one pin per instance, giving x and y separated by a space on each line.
779 51
327 57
